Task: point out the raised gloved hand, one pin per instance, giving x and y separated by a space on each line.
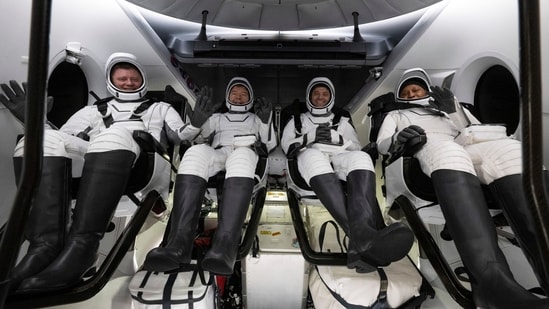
323 134
15 99
443 99
263 109
409 141
203 108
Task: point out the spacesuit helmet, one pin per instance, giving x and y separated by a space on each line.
233 106
313 84
125 60
415 76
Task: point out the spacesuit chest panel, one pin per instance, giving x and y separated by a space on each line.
309 121
431 123
231 125
122 111
121 114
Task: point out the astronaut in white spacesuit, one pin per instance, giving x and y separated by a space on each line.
96 145
235 132
328 151
434 128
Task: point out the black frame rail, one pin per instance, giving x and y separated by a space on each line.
34 132
457 291
309 254
253 223
532 124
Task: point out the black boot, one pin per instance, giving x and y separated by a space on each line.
48 218
336 205
388 243
361 220
473 231
237 193
509 194
103 182
188 194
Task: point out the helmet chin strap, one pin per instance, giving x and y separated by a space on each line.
425 101
237 112
129 101
321 115
321 112
233 108
123 96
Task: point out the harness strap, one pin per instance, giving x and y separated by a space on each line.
298 125
167 292
103 109
381 302
322 233
138 112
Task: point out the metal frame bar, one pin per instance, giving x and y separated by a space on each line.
34 132
532 124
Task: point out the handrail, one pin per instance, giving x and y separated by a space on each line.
34 135
253 223
532 126
309 254
448 278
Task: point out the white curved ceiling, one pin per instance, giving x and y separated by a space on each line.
283 15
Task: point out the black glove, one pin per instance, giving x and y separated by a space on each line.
443 99
263 109
203 108
409 141
16 99
323 134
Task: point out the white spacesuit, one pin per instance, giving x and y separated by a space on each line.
328 150
459 154
495 157
342 147
96 144
233 135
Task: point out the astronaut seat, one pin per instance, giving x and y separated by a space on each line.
146 196
301 194
305 206
410 197
213 198
302 200
147 189
324 244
